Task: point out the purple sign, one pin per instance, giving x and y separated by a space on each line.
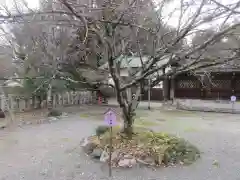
233 98
110 117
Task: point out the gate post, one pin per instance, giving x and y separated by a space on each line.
233 83
165 89
172 88
202 87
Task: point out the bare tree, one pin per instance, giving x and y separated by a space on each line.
119 28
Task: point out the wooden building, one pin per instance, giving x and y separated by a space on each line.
134 63
156 94
220 84
215 84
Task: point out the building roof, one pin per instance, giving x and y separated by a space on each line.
12 83
134 61
233 66
223 66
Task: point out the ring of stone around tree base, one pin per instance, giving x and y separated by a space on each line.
146 148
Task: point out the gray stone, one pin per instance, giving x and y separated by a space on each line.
133 162
28 123
88 148
104 156
146 161
64 114
97 153
128 156
53 118
149 160
84 142
115 156
127 163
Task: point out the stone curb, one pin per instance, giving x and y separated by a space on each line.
207 109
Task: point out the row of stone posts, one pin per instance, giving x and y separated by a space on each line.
17 103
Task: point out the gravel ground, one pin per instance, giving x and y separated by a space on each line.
51 151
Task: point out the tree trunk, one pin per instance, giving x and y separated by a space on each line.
49 98
127 103
128 124
165 86
128 112
39 102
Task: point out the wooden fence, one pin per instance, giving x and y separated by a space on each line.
219 86
20 104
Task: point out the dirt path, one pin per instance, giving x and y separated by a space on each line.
51 151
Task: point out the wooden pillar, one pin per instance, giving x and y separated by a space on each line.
233 83
166 89
203 94
172 89
149 93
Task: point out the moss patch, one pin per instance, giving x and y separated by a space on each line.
54 113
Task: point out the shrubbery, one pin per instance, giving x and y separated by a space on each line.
54 113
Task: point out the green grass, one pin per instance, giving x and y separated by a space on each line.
65 139
145 123
165 114
216 163
190 129
84 115
175 113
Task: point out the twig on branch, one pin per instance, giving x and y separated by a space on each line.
78 15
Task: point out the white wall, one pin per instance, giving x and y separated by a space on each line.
124 73
11 83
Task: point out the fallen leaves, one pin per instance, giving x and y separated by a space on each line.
148 147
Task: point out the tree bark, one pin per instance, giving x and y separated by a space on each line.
40 99
128 124
49 98
129 113
165 89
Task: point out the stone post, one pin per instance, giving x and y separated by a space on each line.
54 100
68 98
10 102
60 99
22 105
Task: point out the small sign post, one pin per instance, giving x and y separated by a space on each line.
233 100
110 118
